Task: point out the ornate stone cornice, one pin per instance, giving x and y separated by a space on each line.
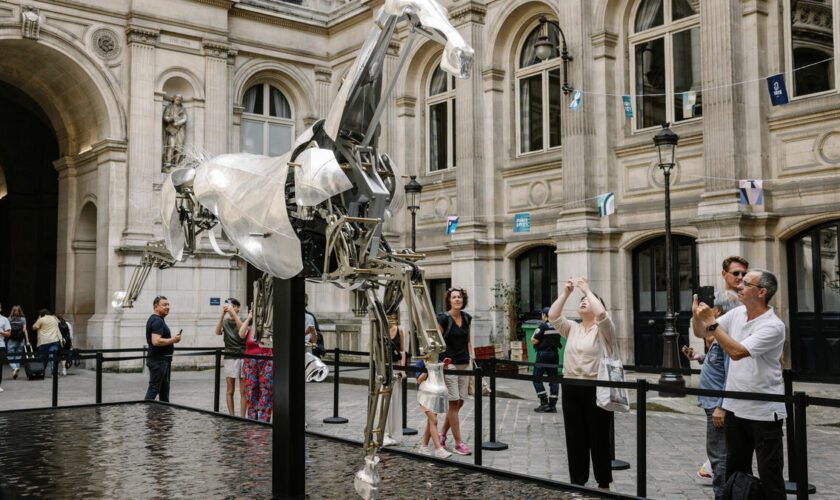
30 22
493 74
145 36
469 13
277 20
406 105
323 74
393 48
224 4
604 44
216 49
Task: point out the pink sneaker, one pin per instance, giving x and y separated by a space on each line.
443 440
462 449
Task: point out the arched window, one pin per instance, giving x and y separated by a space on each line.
665 47
440 112
267 125
539 93
536 278
810 40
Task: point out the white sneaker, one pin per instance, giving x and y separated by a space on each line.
1 389
64 372
424 450
389 441
442 453
15 373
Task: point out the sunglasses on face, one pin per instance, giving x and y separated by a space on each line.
738 274
460 290
748 284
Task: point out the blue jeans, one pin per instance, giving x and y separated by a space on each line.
15 350
47 352
160 370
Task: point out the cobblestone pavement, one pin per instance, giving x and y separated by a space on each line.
675 440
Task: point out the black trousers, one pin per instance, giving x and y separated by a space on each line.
159 371
546 357
743 437
587 434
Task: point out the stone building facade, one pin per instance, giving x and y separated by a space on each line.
93 77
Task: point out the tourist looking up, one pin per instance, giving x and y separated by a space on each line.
258 375
714 364
587 425
546 342
753 337
17 339
454 325
49 337
229 324
161 347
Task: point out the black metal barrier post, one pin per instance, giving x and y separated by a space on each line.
478 416
790 430
493 445
641 437
406 430
616 463
55 378
98 378
335 419
802 487
218 380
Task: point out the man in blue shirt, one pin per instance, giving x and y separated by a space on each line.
161 346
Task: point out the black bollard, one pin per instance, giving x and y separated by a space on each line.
55 378
335 419
492 445
478 417
802 486
218 382
98 378
406 430
641 437
790 430
616 464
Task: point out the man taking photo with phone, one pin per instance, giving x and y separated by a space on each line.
229 323
161 346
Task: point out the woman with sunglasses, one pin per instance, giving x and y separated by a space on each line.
587 425
454 325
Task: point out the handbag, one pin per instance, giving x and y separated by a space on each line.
611 370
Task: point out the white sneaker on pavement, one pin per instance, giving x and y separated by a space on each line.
1 389
424 450
389 441
442 453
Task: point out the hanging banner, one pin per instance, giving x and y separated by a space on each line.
451 224
776 87
606 204
628 106
751 192
522 223
689 101
575 104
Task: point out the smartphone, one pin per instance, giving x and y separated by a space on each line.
706 295
180 332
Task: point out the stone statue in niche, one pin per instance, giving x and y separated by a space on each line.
174 132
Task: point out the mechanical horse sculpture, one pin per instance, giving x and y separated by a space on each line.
318 212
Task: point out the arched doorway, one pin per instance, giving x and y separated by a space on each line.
536 280
814 284
29 212
650 297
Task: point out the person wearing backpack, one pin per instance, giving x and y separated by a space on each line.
49 336
5 333
17 339
66 329
454 325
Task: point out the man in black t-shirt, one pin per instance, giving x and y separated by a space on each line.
161 346
546 342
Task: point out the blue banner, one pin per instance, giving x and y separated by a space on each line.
451 224
576 98
777 89
628 106
522 223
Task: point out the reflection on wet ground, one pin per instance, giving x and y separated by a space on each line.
155 451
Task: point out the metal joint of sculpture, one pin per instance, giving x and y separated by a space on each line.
318 211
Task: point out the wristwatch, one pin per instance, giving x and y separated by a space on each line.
712 327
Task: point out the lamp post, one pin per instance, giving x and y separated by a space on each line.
666 147
412 193
544 46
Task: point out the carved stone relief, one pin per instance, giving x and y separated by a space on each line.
105 43
30 22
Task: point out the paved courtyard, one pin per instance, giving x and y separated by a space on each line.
537 446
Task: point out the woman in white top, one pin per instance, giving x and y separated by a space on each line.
587 425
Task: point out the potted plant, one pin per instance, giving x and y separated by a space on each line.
509 305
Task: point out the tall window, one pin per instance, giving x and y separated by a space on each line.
665 47
440 110
539 93
811 45
267 126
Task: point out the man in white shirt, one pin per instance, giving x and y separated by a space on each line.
753 337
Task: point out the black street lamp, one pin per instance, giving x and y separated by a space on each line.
412 193
666 147
544 47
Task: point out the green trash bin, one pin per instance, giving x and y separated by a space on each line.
530 327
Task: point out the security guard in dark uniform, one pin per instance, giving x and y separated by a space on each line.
546 342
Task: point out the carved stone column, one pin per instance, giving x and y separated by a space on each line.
143 167
323 80
217 107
